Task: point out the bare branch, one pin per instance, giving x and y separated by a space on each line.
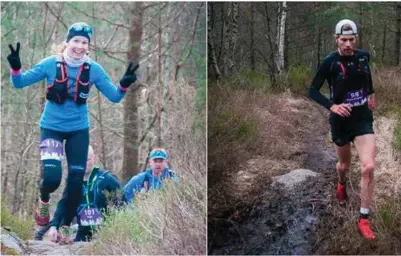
105 126
103 19
166 25
15 28
111 37
152 18
55 24
56 16
193 35
107 54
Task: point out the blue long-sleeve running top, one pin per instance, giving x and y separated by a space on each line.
68 116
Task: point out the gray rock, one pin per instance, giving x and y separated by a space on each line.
50 248
289 180
12 241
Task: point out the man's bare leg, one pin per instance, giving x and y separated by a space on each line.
342 166
344 161
366 148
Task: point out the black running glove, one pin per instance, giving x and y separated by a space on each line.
129 76
13 57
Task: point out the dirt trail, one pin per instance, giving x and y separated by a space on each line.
287 221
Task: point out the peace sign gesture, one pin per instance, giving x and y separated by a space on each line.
13 57
132 67
129 76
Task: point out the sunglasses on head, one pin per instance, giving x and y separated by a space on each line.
79 27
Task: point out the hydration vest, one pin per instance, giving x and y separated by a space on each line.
58 92
345 81
170 174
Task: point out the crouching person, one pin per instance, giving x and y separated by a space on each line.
152 178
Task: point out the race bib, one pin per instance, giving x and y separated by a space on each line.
90 217
355 98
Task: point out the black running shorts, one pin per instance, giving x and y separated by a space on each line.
345 129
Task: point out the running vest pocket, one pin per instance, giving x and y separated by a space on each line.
82 85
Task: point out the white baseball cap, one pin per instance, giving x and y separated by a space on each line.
340 25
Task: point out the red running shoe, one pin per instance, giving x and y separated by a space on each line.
341 193
65 235
42 215
365 230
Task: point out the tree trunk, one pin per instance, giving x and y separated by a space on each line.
233 37
269 38
286 47
130 159
25 202
398 35
226 40
223 18
384 41
159 85
102 157
360 34
280 37
319 46
252 31
210 41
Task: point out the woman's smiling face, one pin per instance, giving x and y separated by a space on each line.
77 47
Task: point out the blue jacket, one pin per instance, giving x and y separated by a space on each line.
68 116
136 183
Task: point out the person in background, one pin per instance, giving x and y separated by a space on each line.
152 178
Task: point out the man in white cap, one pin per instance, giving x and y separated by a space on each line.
351 104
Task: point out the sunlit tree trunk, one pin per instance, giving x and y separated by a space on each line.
130 159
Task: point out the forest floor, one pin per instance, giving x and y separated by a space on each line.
304 218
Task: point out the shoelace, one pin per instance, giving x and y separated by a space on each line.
65 231
44 210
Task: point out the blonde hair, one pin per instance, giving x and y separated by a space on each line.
58 48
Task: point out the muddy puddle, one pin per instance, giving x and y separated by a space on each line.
284 223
